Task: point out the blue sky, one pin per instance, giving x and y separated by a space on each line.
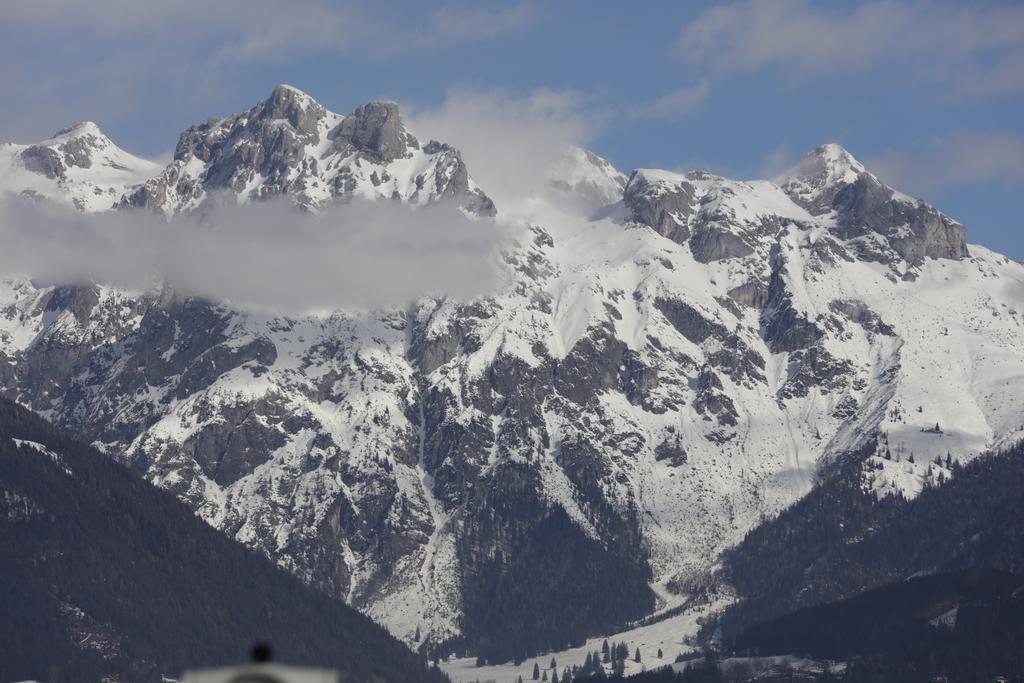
928 94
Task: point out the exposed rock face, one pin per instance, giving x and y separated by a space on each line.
710 244
752 294
647 386
376 130
714 215
689 322
657 202
43 160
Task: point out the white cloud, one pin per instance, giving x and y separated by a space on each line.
479 22
266 256
678 103
962 157
965 49
263 29
508 141
102 59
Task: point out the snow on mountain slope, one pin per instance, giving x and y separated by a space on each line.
79 165
655 377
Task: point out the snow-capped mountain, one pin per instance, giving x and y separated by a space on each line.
287 145
655 378
79 165
291 145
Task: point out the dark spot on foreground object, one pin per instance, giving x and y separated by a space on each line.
261 653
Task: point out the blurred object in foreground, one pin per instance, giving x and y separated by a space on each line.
262 673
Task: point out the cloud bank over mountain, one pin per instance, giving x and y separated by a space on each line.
264 256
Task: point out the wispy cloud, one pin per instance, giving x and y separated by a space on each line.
266 256
962 49
959 158
676 104
479 22
114 52
261 29
508 140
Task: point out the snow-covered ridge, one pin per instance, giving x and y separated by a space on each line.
79 165
288 145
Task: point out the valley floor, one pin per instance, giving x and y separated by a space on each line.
670 635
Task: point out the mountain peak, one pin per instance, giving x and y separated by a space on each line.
376 128
78 130
285 89
828 180
290 95
814 179
832 150
292 105
836 158
79 165
829 163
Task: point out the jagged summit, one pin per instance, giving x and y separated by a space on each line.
285 89
376 128
835 158
721 219
830 183
290 145
292 105
716 217
818 175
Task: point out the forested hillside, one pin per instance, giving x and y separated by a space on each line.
842 539
106 575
